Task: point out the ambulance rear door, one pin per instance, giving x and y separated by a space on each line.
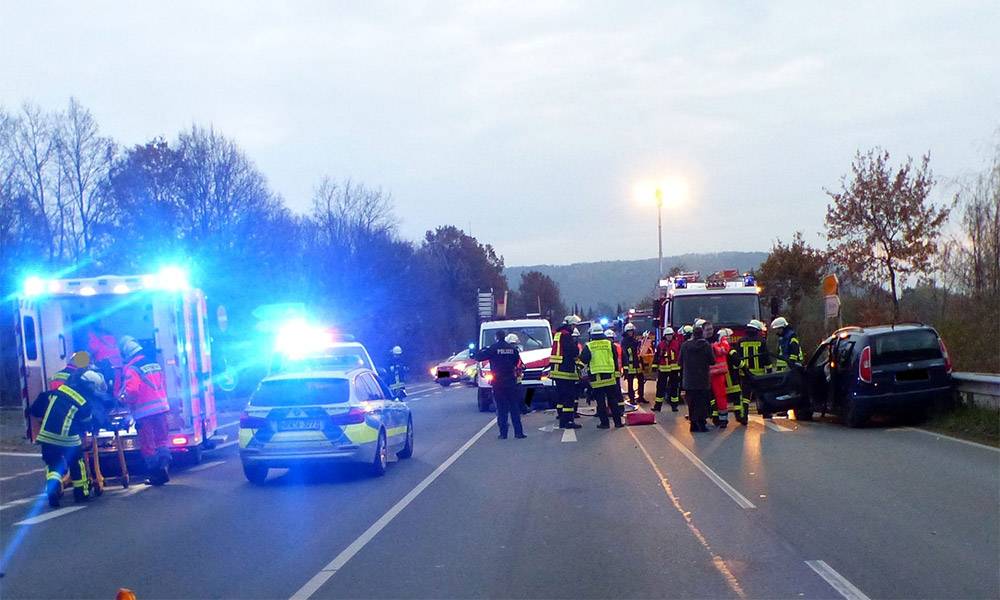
30 357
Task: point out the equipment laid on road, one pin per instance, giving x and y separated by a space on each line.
640 418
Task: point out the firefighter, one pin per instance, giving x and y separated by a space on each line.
789 349
663 366
562 371
66 414
146 397
602 363
721 379
754 361
632 365
733 387
79 360
397 372
506 366
674 355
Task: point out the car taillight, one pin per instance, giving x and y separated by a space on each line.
179 441
865 365
944 353
355 416
248 422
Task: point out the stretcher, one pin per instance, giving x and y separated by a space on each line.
118 421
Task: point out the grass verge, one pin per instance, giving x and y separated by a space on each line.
969 423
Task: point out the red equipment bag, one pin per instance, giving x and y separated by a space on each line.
640 418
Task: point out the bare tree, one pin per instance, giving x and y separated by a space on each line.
33 150
350 213
880 226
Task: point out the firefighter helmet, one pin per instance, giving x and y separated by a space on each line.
596 330
755 324
687 330
512 339
610 334
129 347
779 323
571 320
397 351
629 327
668 331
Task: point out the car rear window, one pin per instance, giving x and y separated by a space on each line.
905 346
301 392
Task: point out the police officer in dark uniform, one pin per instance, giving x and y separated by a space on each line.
505 364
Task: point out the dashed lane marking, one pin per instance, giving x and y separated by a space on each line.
569 435
14 503
770 424
837 581
22 474
730 491
52 514
21 454
317 581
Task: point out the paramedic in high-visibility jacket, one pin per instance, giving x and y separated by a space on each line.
146 398
562 365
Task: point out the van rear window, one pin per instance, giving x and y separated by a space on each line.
301 392
905 346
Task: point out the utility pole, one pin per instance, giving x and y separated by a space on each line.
659 230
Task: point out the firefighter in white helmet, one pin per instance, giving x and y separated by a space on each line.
563 371
789 348
754 361
632 365
665 362
397 372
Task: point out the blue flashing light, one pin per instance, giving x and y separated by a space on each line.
604 321
34 286
472 346
680 283
748 280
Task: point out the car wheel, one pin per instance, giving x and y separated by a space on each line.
485 399
407 450
804 411
381 460
255 474
854 415
445 382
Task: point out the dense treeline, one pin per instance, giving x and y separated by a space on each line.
75 202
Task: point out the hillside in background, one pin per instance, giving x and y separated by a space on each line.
628 281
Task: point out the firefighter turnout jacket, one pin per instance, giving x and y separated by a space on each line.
754 357
65 414
630 350
145 393
789 350
565 352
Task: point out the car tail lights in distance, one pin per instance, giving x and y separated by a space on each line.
865 365
248 422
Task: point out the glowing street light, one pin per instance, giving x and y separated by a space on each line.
672 190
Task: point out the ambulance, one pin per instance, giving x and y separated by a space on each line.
56 317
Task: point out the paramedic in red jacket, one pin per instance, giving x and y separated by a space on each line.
146 397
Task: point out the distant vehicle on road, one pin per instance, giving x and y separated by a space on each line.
861 371
457 367
323 417
535 337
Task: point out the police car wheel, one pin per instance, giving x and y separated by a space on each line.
485 398
407 450
255 474
381 460
444 382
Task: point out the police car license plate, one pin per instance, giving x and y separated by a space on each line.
299 424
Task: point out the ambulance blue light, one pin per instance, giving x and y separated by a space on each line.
172 279
680 283
34 286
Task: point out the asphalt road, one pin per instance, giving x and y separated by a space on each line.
782 510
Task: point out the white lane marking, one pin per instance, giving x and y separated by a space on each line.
547 428
52 514
204 466
225 425
22 474
569 435
226 445
132 490
737 497
837 581
14 503
317 581
953 439
770 424
21 454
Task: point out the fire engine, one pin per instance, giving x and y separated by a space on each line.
56 317
725 298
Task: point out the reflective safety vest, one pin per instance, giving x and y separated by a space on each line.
602 363
560 367
144 390
753 356
65 417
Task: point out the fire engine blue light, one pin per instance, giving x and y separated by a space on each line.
604 321
748 280
472 346
680 283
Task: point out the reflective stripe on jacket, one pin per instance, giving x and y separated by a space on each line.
564 356
144 389
66 415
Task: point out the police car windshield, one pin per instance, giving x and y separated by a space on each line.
531 338
301 392
332 359
720 309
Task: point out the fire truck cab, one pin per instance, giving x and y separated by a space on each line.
725 298
56 317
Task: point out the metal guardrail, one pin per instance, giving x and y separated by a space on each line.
978 389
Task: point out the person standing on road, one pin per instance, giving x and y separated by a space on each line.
719 373
602 364
633 365
397 372
506 366
696 359
662 364
754 361
674 356
562 364
789 348
67 414
146 398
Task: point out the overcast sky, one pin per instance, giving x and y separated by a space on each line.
533 123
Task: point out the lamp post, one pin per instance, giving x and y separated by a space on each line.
659 228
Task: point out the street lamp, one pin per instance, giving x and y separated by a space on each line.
659 228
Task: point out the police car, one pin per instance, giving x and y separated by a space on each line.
323 417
